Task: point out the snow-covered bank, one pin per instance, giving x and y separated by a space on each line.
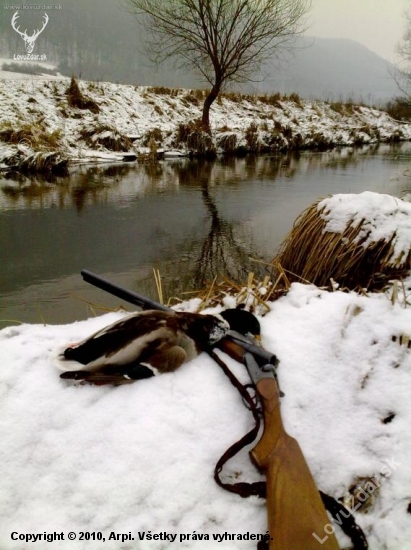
36 116
140 458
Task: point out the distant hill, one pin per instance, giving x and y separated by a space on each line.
332 69
108 45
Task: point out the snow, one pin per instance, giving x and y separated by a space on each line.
135 111
141 457
382 218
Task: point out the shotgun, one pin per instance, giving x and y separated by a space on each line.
295 509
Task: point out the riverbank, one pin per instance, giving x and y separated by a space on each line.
48 125
343 357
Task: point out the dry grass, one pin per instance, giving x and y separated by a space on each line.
311 254
40 162
227 142
163 90
254 294
155 134
252 138
151 156
195 138
192 98
75 98
184 129
33 135
105 135
343 107
272 99
295 98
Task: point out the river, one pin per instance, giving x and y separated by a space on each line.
190 219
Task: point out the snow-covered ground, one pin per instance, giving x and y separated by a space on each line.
140 458
141 113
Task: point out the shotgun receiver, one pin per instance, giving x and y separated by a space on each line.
295 510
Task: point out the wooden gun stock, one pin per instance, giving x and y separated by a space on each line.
294 505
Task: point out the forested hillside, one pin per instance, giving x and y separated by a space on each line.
94 40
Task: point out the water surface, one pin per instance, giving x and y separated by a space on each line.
190 219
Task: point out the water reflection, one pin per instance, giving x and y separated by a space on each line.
90 185
192 220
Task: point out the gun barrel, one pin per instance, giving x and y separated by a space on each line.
127 295
146 303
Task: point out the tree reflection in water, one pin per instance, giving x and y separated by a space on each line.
190 219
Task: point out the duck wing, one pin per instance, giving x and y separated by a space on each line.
163 358
110 374
123 342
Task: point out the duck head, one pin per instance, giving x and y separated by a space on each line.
242 321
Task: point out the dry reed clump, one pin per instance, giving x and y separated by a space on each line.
184 129
252 138
106 136
319 141
155 135
75 98
163 90
195 138
227 142
275 141
33 135
45 162
312 253
151 156
191 98
272 99
201 142
343 107
295 98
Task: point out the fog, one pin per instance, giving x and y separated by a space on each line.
101 40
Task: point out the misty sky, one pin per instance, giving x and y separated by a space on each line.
378 24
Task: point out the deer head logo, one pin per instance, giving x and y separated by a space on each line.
29 40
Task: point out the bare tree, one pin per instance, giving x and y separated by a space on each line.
225 40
